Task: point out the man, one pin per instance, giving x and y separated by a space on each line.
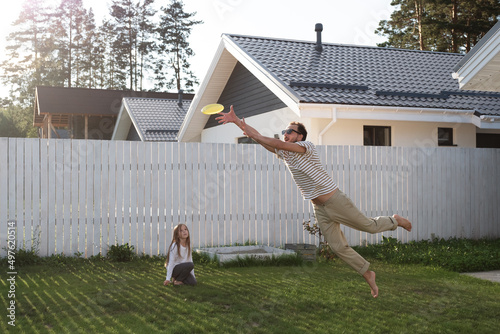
331 206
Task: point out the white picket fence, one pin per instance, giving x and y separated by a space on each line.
77 196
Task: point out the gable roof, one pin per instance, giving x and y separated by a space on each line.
480 68
153 119
340 75
62 102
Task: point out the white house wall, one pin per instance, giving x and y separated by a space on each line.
404 134
344 131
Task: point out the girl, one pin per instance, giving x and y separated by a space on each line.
179 263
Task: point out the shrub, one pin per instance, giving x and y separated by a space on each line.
26 257
461 255
121 253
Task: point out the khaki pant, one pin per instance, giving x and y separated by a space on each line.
339 209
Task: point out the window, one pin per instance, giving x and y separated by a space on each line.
376 135
445 136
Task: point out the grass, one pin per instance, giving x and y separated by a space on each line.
68 295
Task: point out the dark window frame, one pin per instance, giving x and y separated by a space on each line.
374 135
445 137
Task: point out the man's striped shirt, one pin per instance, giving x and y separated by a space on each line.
307 171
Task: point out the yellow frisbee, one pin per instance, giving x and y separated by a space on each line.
212 109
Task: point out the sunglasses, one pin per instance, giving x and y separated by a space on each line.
289 131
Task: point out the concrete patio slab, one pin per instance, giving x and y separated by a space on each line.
493 276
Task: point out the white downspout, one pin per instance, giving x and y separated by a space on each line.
333 121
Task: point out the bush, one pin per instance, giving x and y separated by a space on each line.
26 257
460 255
121 253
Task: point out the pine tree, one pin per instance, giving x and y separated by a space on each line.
29 52
145 44
124 43
68 34
173 48
438 25
90 57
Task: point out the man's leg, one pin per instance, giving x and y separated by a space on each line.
338 243
342 210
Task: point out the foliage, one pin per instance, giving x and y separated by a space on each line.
438 25
204 258
24 257
121 253
461 255
17 121
63 46
174 30
324 250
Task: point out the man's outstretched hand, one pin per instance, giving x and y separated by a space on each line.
229 117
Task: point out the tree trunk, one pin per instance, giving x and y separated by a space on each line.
454 20
418 12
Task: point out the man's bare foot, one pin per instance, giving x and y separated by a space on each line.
369 277
178 283
403 222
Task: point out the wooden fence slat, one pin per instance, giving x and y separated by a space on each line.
162 188
19 191
238 167
66 217
189 185
211 192
147 200
82 199
58 186
97 200
176 182
112 185
105 211
89 203
130 228
155 200
74 177
4 203
122 191
137 231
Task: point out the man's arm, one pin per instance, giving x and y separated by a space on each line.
270 143
267 142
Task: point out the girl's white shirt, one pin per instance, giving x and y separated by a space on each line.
174 259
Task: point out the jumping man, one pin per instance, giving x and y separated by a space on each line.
331 206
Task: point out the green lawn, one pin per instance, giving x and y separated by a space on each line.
109 297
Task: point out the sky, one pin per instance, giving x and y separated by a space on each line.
344 22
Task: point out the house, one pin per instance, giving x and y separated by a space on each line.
82 113
147 119
480 70
344 94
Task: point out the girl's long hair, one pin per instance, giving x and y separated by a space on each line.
177 240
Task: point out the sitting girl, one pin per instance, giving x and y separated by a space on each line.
179 263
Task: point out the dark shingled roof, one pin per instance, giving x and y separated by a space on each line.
157 119
83 101
360 75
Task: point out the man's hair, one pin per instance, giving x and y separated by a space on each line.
301 128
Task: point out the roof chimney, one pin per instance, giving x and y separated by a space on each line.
318 28
179 101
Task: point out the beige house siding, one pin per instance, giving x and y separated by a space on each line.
344 131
